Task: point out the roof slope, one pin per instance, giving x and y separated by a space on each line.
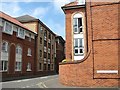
26 18
13 20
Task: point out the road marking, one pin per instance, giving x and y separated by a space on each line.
43 83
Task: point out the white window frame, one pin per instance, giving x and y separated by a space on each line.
45 49
18 50
18 66
78 46
77 16
45 60
30 37
19 34
6 46
48 40
29 67
45 38
48 50
18 62
29 52
3 66
10 32
78 51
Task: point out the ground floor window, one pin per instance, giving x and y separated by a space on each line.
52 66
4 65
40 66
29 67
44 67
48 66
18 66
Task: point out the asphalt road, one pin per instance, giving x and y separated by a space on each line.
39 82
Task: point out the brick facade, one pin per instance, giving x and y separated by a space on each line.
13 40
103 40
60 52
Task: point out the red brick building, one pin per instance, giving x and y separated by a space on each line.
92 44
60 51
17 48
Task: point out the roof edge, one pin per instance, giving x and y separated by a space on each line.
72 7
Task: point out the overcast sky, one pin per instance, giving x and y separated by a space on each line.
50 13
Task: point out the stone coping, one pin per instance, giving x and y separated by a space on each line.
78 61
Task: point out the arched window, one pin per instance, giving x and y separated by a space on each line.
77 23
5 46
18 63
4 56
78 35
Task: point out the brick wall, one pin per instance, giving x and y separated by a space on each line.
103 44
25 44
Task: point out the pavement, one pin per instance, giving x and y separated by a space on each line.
39 82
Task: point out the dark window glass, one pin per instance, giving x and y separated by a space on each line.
79 22
44 67
40 66
81 50
40 40
76 50
48 66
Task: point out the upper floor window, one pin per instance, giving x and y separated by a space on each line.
29 36
8 28
78 42
49 36
78 46
5 46
21 33
40 53
45 35
29 52
41 29
77 23
48 50
40 40
18 50
44 49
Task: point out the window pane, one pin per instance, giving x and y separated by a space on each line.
2 65
48 66
40 66
81 50
80 43
5 65
76 51
4 46
76 42
75 22
79 22
8 28
81 29
75 29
